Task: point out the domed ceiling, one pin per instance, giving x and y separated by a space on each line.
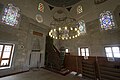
62 3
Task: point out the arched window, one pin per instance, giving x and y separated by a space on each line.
81 25
106 20
79 9
41 7
11 15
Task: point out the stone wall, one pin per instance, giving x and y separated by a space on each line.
22 37
95 39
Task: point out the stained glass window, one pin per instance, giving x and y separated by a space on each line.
79 9
41 7
11 15
81 25
106 20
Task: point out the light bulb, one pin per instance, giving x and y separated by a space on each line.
71 28
73 37
59 29
65 28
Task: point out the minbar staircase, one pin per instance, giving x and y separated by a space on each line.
52 58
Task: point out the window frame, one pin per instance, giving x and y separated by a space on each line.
66 50
79 48
10 56
111 51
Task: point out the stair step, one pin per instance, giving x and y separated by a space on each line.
64 71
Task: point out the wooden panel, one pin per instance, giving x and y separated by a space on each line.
79 61
37 33
52 58
71 62
66 61
108 70
89 68
94 67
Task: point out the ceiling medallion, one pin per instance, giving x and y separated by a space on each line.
39 18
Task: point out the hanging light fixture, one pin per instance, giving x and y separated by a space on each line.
63 27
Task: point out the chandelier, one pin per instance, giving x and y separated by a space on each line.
63 27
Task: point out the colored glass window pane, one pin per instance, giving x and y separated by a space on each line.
11 15
81 25
41 7
106 20
79 9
